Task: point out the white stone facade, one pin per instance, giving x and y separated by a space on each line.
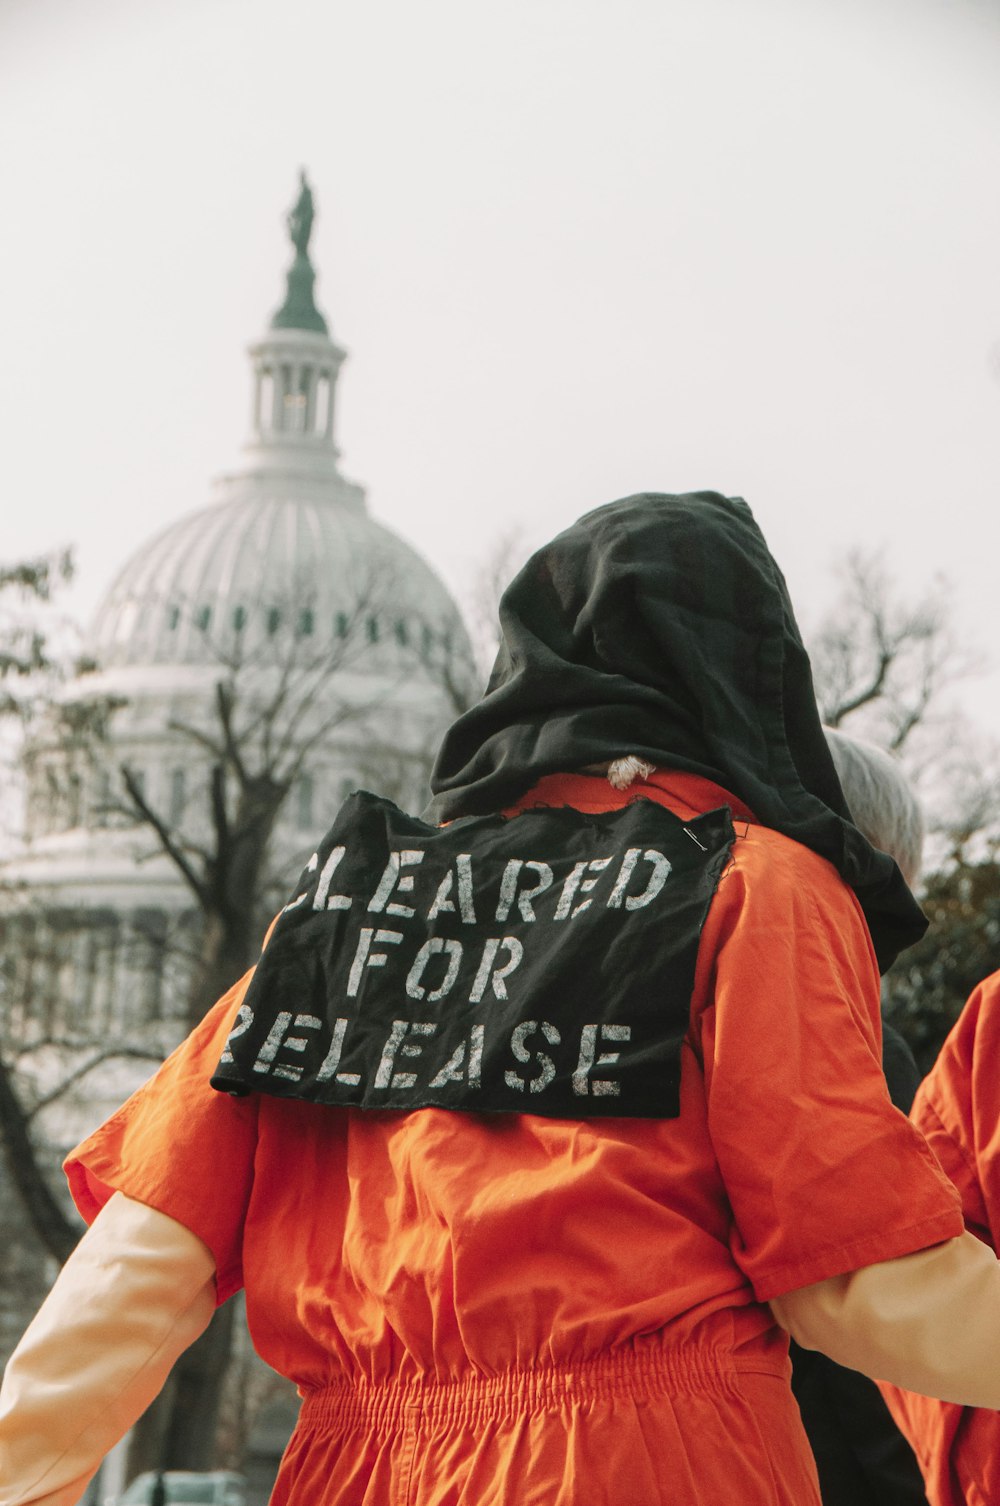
329 634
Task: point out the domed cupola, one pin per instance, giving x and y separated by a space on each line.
295 370
288 549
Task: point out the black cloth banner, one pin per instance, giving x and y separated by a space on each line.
660 625
541 964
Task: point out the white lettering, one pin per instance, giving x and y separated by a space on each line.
384 1074
244 1019
397 1044
430 949
625 872
453 1069
547 1067
392 879
332 1059
575 882
659 876
600 1087
476 1055
443 900
335 901
508 888
302 1022
365 957
569 888
272 1045
515 951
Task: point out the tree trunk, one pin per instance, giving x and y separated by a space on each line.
51 1224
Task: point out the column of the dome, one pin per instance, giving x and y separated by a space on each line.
258 393
277 398
328 431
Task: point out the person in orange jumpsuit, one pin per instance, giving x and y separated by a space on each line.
958 1108
862 1458
540 1122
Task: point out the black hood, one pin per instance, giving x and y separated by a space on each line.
659 625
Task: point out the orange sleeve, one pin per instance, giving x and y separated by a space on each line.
823 1174
958 1109
180 1147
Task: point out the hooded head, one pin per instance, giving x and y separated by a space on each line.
660 626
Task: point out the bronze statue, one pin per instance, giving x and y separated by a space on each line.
300 217
299 309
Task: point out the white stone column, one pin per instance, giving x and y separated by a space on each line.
312 383
278 398
330 376
258 388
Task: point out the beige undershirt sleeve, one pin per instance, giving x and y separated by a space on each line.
927 1322
137 1290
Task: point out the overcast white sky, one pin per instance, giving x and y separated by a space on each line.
576 248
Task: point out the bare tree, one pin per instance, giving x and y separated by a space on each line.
884 666
881 661
488 579
271 705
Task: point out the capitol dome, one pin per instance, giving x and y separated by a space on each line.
287 552
250 664
283 593
256 567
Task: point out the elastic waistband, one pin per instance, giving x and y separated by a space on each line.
476 1397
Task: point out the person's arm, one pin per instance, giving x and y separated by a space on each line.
928 1322
137 1290
823 1175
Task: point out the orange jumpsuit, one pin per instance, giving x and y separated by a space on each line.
509 1308
958 1108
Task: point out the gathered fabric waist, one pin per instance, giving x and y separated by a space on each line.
643 1371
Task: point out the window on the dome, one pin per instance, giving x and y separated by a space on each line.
306 621
343 625
239 619
173 617
273 620
372 629
204 618
402 632
426 641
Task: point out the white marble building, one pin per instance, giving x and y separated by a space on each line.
281 612
335 640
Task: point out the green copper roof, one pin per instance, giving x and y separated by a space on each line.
299 309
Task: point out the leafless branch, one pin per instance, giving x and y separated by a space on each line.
112 1053
166 837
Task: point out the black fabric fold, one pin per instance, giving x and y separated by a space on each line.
660 625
